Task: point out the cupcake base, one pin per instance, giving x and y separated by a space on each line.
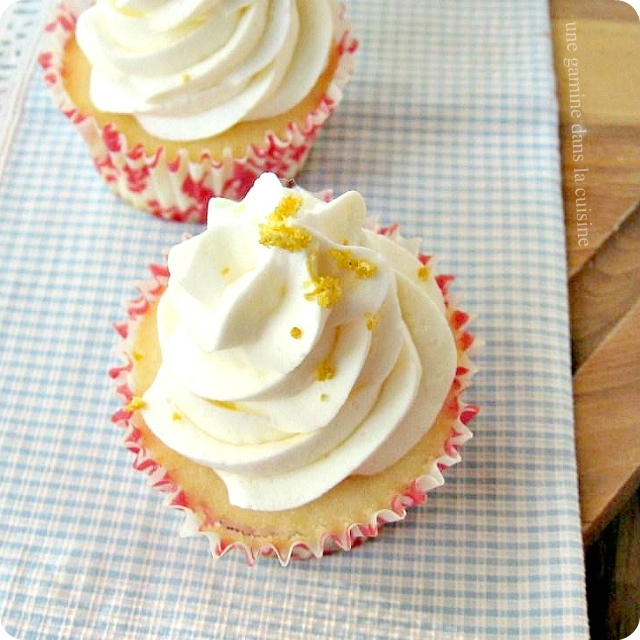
353 510
176 180
76 74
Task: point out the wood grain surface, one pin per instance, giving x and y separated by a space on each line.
608 83
613 571
597 46
604 292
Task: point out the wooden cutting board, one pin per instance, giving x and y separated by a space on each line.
597 48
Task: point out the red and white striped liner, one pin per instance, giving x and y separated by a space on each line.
179 190
354 534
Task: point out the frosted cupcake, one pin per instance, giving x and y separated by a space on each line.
294 384
181 101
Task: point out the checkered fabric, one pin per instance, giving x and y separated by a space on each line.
449 127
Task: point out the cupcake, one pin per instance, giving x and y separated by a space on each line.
292 380
181 101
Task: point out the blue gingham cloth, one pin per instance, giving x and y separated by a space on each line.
449 127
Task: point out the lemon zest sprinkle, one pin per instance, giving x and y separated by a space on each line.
345 260
137 356
276 233
289 206
296 333
423 272
287 238
223 404
323 397
136 403
225 271
372 320
327 291
176 416
325 371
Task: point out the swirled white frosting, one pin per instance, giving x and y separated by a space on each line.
191 69
288 369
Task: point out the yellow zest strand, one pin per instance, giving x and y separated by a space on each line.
423 272
325 371
136 403
276 233
289 206
372 320
223 404
327 291
287 238
345 260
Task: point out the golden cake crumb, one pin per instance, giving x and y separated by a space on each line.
136 403
296 333
327 291
324 397
137 356
345 260
423 272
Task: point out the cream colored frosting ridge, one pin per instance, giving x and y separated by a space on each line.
298 346
191 69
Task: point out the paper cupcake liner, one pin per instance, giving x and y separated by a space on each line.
180 189
355 533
